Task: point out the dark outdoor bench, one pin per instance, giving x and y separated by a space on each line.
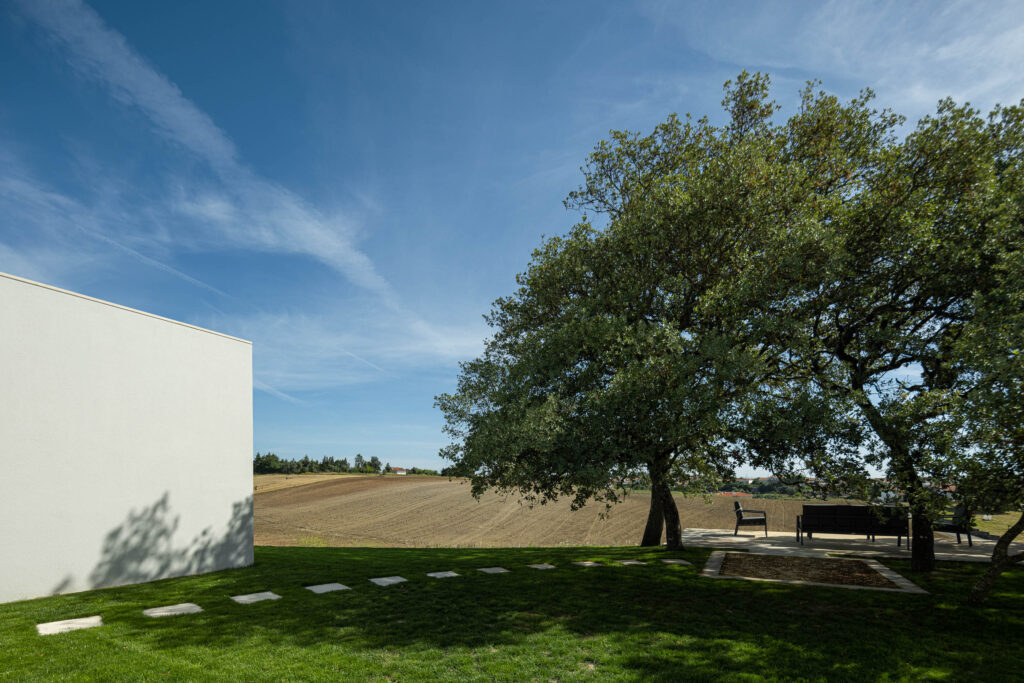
749 518
958 523
870 521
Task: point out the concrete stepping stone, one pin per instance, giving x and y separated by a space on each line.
541 566
677 561
173 610
441 575
634 563
493 570
587 563
53 627
327 587
388 580
250 598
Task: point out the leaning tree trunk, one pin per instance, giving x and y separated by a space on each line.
655 522
673 528
661 493
922 552
1001 561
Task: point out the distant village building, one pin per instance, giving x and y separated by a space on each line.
398 470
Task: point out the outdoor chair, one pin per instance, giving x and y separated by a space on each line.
959 523
750 518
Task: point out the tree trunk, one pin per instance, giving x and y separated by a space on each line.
1001 561
673 528
655 522
661 496
922 551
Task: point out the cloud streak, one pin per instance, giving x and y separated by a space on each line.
250 212
296 352
912 53
59 216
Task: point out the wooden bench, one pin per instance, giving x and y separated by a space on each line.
867 520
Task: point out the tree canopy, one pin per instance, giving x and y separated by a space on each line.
820 295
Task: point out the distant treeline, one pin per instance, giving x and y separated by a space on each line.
270 463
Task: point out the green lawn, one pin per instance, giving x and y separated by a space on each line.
998 525
654 622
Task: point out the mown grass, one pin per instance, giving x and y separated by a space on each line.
998 525
654 622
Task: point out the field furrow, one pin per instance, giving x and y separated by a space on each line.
413 511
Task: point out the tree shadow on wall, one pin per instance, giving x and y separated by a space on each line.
142 548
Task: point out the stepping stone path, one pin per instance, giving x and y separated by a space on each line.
388 580
173 610
250 598
66 625
54 627
327 588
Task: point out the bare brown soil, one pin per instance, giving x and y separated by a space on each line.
262 483
413 511
817 569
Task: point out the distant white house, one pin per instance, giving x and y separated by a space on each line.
127 445
398 470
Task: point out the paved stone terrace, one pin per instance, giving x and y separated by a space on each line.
785 543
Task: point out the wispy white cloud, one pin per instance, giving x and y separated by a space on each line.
230 207
260 385
251 212
296 352
911 53
59 223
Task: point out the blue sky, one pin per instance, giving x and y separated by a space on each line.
351 184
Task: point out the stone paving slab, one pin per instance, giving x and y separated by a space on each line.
327 588
678 561
632 562
441 575
493 570
250 598
587 563
388 580
53 627
173 610
823 545
541 566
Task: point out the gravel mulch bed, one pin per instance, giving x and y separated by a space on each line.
816 569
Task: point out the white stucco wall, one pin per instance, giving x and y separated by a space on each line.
125 445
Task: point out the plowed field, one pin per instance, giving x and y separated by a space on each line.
433 511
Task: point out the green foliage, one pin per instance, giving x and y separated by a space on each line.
270 463
816 296
614 357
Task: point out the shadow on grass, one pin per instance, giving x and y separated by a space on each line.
654 621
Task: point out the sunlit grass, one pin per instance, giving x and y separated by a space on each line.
998 525
654 622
